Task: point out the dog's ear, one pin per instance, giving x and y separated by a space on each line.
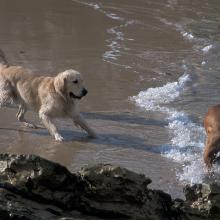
60 85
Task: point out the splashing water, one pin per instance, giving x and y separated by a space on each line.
186 137
152 98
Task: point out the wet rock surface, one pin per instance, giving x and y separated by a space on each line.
39 179
36 189
111 191
204 200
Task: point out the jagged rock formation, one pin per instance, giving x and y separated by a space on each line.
112 191
32 188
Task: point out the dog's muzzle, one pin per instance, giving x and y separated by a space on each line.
83 93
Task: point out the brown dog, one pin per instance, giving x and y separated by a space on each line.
212 127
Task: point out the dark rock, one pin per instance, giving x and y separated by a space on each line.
203 200
39 179
112 191
14 207
32 188
117 192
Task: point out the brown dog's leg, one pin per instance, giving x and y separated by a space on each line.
211 149
212 127
208 158
20 116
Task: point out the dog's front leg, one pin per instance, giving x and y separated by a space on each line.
79 120
50 126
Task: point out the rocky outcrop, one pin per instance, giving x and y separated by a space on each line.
39 179
112 191
202 201
32 188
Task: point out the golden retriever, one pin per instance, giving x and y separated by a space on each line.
212 128
50 97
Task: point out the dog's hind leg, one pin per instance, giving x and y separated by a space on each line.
6 93
20 116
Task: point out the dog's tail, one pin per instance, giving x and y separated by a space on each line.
5 87
3 61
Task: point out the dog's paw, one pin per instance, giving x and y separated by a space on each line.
92 135
76 124
58 137
29 125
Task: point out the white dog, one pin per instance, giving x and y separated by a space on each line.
50 97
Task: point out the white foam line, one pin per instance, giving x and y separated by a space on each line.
152 98
95 6
190 37
111 61
115 43
119 35
186 136
187 35
111 55
207 48
114 16
98 7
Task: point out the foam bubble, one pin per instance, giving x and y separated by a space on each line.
95 6
207 48
165 21
99 8
111 55
91 4
119 35
187 35
179 28
114 16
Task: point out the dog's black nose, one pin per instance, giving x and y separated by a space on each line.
84 92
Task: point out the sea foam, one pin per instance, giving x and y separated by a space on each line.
207 48
186 137
153 98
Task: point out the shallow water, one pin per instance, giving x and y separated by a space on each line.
151 68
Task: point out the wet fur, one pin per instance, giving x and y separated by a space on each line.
49 97
212 128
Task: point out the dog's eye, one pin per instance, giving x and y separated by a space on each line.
75 81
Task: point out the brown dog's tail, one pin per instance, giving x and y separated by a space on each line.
3 60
